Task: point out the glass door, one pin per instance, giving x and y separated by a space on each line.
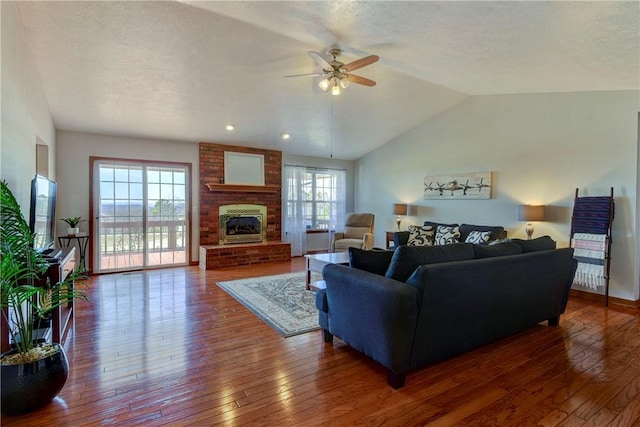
141 215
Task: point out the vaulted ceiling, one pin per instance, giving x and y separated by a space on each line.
184 70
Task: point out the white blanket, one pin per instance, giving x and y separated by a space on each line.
591 252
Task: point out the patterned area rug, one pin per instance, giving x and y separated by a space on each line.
281 301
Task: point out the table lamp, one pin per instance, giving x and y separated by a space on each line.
399 209
531 213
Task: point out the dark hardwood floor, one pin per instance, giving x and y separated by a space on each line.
168 347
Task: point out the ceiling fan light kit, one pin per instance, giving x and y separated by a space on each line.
337 74
325 84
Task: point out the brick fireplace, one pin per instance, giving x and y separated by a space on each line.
214 194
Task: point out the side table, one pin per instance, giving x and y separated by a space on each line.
83 241
316 262
389 242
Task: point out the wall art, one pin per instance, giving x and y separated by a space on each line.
474 185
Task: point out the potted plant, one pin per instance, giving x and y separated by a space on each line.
73 225
33 371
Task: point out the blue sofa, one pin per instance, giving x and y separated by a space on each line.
444 308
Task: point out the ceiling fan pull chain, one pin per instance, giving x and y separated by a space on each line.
331 141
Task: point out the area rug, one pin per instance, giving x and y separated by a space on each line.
281 301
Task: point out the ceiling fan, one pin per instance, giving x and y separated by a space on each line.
337 74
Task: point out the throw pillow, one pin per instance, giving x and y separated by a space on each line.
407 258
478 237
420 236
497 231
374 261
446 235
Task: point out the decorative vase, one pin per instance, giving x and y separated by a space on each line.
73 231
29 386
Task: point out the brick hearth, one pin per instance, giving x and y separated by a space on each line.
212 257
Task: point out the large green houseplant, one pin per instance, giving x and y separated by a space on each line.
25 309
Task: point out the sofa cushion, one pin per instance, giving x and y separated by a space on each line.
446 235
488 251
343 245
539 244
478 237
421 235
407 258
375 261
400 238
497 232
498 241
417 281
351 232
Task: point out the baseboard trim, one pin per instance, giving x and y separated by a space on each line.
600 298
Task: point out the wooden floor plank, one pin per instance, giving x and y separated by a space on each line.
169 347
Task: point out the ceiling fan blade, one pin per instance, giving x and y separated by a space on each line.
307 74
320 60
359 63
360 80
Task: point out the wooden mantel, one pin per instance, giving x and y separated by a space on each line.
226 188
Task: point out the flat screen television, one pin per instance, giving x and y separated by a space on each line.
42 215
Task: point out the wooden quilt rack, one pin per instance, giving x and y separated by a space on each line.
593 216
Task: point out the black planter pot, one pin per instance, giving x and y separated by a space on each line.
29 386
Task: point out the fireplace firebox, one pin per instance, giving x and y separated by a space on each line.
242 224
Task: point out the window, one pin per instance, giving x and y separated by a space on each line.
317 195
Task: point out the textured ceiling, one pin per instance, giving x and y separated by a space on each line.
183 70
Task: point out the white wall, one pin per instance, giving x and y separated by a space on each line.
540 148
74 150
25 111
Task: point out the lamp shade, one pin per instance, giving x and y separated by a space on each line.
325 84
531 213
399 208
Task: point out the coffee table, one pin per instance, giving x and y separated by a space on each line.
316 262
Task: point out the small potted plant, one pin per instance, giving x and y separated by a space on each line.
73 225
33 372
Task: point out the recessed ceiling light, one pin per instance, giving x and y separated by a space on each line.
230 127
285 135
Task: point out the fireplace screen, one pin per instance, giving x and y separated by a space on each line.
239 225
242 224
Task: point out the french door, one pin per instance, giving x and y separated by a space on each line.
141 212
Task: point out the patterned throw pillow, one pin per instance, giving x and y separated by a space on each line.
446 235
478 237
420 236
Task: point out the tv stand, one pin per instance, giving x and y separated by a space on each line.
59 268
52 255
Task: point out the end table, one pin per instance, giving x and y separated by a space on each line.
83 241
